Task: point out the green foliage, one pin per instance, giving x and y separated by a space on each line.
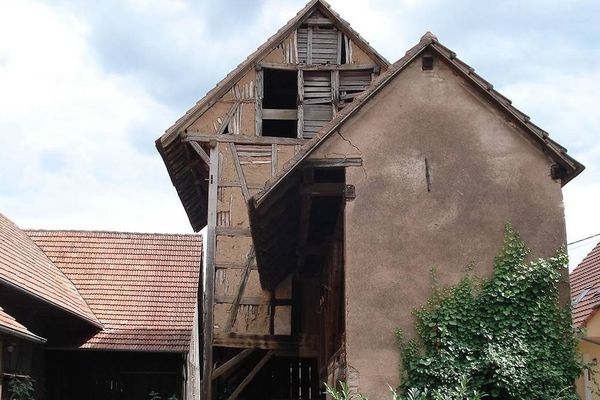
154 395
344 393
507 337
20 388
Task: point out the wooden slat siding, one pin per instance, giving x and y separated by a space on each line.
352 83
317 86
259 89
240 171
339 47
324 49
232 363
315 117
243 281
309 46
251 376
209 273
335 88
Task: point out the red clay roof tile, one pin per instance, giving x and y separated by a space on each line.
24 266
143 287
586 276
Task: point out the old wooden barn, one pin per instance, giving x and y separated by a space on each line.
330 182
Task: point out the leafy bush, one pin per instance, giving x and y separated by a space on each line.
20 388
508 337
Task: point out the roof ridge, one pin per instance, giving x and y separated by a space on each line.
41 230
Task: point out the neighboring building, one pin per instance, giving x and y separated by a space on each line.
330 182
100 315
585 299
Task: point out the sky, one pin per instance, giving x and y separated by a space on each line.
86 87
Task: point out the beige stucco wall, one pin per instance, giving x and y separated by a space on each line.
484 173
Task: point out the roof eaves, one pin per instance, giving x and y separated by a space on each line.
558 152
22 335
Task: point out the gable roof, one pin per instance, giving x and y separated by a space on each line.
585 283
25 267
142 286
10 326
227 83
431 43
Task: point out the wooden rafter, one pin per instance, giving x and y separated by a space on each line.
200 151
232 363
250 376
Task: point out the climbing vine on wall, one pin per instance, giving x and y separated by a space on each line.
508 336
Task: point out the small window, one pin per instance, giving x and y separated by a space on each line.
280 128
280 89
581 296
427 62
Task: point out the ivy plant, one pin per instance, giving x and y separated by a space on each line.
20 388
508 336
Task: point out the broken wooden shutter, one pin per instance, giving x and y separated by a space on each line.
319 41
317 101
352 83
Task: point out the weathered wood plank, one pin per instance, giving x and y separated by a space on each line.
229 231
240 139
200 151
240 171
232 363
240 292
274 158
300 344
250 376
326 67
271 113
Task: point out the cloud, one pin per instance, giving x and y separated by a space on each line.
69 157
88 86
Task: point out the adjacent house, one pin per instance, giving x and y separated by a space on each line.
330 182
585 299
99 315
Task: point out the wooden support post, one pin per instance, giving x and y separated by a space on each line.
240 171
251 376
274 157
244 279
232 363
258 87
300 103
209 274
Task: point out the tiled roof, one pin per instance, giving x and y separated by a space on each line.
586 276
25 267
143 287
10 326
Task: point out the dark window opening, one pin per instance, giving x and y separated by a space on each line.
329 175
343 49
427 62
280 128
280 89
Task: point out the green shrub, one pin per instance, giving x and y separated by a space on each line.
20 388
508 337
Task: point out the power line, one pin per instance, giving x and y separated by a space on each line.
581 240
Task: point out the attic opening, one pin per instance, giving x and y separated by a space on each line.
427 62
280 102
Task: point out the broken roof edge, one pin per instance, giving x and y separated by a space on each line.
95 322
428 40
17 329
232 77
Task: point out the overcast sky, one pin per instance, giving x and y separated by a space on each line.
87 86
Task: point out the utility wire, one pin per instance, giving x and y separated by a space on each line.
581 240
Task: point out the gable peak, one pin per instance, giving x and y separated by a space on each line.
429 37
